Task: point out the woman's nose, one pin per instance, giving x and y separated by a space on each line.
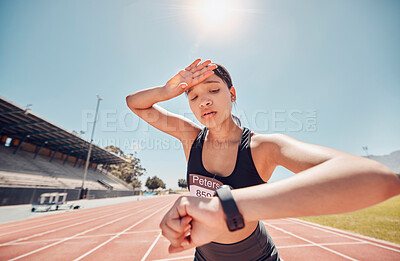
205 102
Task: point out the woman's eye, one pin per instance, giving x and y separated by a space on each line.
217 90
194 98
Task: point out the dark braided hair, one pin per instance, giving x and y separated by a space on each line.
224 75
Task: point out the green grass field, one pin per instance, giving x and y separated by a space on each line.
381 221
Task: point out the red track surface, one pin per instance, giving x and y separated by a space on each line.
129 231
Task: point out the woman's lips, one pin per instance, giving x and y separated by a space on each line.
209 115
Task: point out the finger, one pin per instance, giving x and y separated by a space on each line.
202 77
170 233
176 249
179 225
200 66
179 239
204 70
172 249
212 67
187 244
190 67
174 237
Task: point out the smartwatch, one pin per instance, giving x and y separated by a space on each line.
234 220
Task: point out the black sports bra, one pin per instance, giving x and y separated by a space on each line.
202 183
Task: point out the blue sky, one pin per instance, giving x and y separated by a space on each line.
324 72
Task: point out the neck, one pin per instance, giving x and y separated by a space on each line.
228 131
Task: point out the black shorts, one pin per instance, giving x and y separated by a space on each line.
258 247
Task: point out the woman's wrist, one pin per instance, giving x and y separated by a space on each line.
217 206
163 93
249 203
146 98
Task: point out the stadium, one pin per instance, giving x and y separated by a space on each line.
324 73
40 162
37 156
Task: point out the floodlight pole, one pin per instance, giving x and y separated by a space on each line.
366 151
90 145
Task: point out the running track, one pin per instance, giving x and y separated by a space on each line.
129 231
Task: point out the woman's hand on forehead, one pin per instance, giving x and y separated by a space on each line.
190 76
197 72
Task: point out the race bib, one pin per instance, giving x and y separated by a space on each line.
202 186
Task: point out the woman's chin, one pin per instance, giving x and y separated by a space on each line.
210 123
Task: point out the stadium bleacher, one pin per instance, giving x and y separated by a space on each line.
20 168
38 154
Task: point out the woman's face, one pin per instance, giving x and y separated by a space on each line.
210 101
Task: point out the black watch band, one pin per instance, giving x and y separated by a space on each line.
234 220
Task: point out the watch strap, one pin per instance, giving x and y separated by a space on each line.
234 219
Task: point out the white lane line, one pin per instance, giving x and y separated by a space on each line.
175 258
82 211
44 241
48 218
333 236
319 227
277 223
79 234
62 220
62 228
323 244
311 242
117 235
151 247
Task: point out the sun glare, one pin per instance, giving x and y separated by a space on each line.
214 15
215 12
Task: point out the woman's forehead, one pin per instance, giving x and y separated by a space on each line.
213 79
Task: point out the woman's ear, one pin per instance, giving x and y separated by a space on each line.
233 93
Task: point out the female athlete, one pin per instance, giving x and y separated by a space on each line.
328 181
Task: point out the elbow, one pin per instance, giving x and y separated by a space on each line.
393 183
129 102
133 102
381 178
390 181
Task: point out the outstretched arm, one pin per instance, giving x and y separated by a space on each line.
328 182
338 185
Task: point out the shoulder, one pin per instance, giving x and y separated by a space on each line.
268 141
265 151
188 138
291 153
268 146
